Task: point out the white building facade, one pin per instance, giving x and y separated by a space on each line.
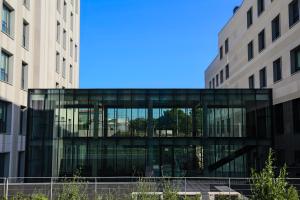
39 44
259 47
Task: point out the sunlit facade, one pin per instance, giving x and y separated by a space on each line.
147 132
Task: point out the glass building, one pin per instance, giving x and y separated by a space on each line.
147 132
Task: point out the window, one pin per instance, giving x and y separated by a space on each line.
21 163
277 70
71 74
56 85
217 80
65 11
6 19
221 52
58 5
76 53
71 21
296 115
23 112
3 116
209 84
58 31
276 28
260 7
4 66
293 12
249 17
250 50
57 62
221 77
263 77
24 76
227 71
226 46
261 41
279 119
251 82
26 3
71 47
4 167
25 36
64 68
213 82
64 39
295 60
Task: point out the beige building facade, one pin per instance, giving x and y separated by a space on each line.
259 47
39 43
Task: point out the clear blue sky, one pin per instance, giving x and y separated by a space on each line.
149 43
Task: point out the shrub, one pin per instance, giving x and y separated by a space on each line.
74 190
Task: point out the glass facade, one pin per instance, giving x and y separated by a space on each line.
147 132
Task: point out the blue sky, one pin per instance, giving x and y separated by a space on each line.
149 43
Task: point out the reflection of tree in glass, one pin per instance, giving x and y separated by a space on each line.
176 120
138 126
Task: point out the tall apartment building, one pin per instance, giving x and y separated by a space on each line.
260 48
39 44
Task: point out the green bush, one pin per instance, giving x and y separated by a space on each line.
73 190
39 197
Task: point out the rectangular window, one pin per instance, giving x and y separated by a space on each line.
263 77
221 52
295 60
6 19
64 39
56 85
25 35
71 21
58 31
296 115
3 116
64 68
251 82
213 82
23 112
277 70
276 28
279 119
249 17
71 47
217 80
24 76
209 84
260 7
57 64
221 77
4 66
250 51
4 167
26 3
76 53
226 46
71 74
261 41
21 163
293 12
227 71
65 11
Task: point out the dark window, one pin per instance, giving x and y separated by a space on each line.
263 77
295 60
4 167
277 70
213 82
260 7
249 17
261 41
209 84
297 157
296 115
6 19
3 116
4 66
221 52
217 80
293 12
251 82
276 28
227 71
226 46
279 120
250 50
221 76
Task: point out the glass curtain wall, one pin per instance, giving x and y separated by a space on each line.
166 132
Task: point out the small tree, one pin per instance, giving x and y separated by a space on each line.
266 186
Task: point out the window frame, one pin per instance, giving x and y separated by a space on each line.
277 70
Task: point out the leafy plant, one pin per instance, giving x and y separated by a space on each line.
266 186
73 190
39 197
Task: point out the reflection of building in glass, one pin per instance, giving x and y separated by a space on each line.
136 132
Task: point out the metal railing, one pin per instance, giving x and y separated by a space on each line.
126 186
